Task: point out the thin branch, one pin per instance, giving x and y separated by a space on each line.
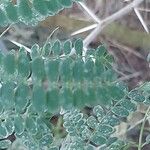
6 30
84 29
89 12
124 11
141 20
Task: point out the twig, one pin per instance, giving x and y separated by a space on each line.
142 128
5 31
89 12
141 20
110 19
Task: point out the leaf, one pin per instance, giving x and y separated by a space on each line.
9 63
111 140
78 70
40 6
135 95
39 99
23 63
92 122
89 69
110 119
19 125
66 98
101 51
103 96
21 97
99 68
127 104
90 96
38 70
120 111
79 98
35 51
104 129
4 20
98 140
3 132
56 48
99 111
78 45
31 125
46 49
24 10
52 70
66 70
53 100
9 125
67 47
65 3
7 95
53 6
115 92
11 11
46 140
4 144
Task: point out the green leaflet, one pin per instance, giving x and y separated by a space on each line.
89 69
56 48
53 6
52 70
120 111
40 6
23 64
92 122
9 124
35 51
79 98
4 20
78 45
115 92
46 49
21 97
136 95
4 144
110 119
78 70
38 70
98 140
65 3
24 10
11 11
90 98
3 132
127 104
46 140
30 125
7 95
66 69
98 111
9 63
104 129
103 96
39 99
67 47
66 98
53 100
19 125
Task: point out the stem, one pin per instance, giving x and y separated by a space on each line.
142 129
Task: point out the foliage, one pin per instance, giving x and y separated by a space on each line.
31 12
49 81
